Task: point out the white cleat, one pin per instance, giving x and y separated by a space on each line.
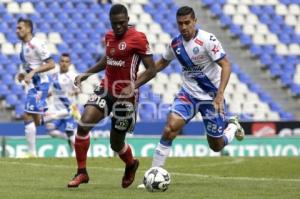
141 186
240 133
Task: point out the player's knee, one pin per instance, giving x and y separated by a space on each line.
83 130
170 132
216 147
116 147
52 134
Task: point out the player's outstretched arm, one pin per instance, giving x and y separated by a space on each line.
99 66
161 64
148 74
48 65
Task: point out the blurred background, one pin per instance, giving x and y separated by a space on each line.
261 38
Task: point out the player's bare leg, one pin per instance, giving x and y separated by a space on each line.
90 117
174 124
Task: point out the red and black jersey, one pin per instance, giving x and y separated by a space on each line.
123 58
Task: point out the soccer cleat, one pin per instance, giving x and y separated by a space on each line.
129 174
240 133
79 179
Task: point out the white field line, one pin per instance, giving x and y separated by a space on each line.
215 177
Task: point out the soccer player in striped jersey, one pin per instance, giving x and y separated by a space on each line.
37 61
205 74
60 122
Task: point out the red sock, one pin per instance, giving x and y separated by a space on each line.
81 145
127 156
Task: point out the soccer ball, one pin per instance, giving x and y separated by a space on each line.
156 179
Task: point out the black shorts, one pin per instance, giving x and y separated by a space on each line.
123 112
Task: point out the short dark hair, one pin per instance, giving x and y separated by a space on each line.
185 10
27 22
65 55
118 9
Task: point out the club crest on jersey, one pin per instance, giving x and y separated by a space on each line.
215 49
196 50
122 45
112 51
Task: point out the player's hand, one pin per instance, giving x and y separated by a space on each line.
20 77
28 77
79 79
219 103
127 92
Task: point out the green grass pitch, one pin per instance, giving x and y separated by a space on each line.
209 177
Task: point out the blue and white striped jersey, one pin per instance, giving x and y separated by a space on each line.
200 74
33 54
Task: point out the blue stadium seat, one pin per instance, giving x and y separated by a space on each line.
4 90
7 79
19 111
255 49
208 2
12 100
295 89
235 30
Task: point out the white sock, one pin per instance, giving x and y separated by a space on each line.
160 155
229 132
30 133
58 134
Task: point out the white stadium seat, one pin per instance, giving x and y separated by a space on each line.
294 9
272 39
252 19
291 20
281 9
13 8
294 49
55 38
229 9
2 38
238 19
242 9
27 8
41 36
281 49
8 49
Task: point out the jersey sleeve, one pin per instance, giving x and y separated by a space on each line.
142 45
42 50
214 48
169 53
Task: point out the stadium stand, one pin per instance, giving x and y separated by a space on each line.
77 27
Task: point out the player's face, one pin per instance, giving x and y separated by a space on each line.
22 30
186 25
64 64
119 24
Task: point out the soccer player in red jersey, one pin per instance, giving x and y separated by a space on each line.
117 93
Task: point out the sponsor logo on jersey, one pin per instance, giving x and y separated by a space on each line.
198 58
178 51
199 42
122 45
112 62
